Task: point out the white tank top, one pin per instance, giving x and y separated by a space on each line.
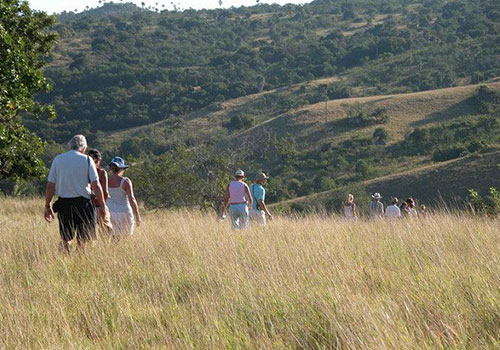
348 211
118 199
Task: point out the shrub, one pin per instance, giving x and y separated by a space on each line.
239 122
449 153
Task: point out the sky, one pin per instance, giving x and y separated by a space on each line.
56 6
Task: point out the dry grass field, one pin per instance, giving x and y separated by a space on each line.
187 281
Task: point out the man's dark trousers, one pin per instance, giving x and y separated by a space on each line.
76 216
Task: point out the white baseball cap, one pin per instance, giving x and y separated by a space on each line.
239 173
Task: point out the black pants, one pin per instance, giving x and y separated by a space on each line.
76 215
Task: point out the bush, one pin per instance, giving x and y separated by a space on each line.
449 153
239 122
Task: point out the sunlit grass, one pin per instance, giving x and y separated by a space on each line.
187 281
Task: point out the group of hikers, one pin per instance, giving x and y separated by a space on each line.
87 199
407 208
246 203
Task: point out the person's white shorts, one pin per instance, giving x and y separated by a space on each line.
258 216
123 223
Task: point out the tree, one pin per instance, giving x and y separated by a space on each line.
24 41
183 178
381 134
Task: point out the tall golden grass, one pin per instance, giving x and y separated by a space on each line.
186 281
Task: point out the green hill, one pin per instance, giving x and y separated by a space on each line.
121 66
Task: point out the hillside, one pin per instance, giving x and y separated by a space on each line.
120 66
310 126
308 150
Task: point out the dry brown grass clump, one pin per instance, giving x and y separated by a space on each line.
186 281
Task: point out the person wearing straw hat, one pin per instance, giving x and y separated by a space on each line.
259 208
376 207
121 202
238 198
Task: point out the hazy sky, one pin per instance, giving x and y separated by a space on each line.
52 6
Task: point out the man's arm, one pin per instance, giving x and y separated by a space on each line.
264 207
49 194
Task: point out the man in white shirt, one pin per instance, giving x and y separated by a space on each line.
72 178
393 211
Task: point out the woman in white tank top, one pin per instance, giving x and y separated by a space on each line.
121 202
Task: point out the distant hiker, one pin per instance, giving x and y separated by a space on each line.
238 198
376 207
404 209
349 208
121 202
72 178
259 208
411 208
422 212
103 223
393 211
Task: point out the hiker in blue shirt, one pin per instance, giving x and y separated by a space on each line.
259 208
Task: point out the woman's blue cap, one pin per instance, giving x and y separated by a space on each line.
119 162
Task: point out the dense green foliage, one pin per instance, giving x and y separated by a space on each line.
121 66
24 40
183 178
486 205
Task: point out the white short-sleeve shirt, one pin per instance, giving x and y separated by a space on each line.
393 211
72 173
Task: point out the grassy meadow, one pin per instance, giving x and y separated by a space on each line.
186 281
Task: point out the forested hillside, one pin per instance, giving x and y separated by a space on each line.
120 66
323 96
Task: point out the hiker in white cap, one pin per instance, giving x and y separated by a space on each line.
238 198
259 208
376 207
